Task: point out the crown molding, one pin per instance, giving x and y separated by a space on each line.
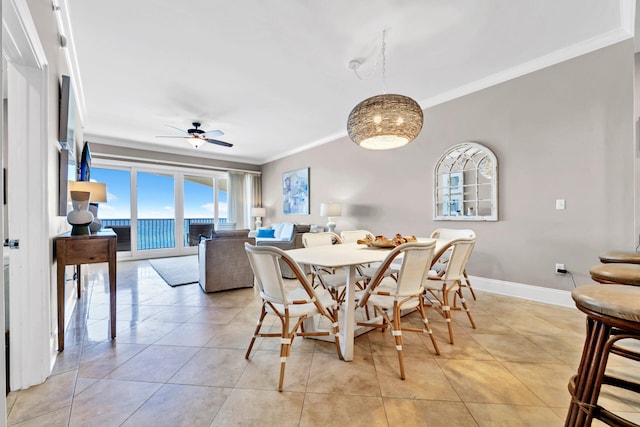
537 64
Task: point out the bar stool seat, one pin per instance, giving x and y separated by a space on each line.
623 274
613 314
620 256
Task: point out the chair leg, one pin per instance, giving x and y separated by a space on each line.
285 349
366 312
386 322
427 327
341 295
334 322
466 279
446 310
466 308
467 284
396 331
256 332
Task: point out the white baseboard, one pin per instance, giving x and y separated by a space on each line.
520 290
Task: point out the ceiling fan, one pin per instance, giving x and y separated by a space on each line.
196 136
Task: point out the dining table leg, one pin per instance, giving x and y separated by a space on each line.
348 315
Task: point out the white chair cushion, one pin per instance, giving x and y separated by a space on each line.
387 285
435 283
308 309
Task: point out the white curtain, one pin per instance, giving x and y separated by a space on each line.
245 192
255 185
236 199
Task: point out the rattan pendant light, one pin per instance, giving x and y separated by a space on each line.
387 121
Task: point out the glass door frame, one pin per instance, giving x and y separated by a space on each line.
178 173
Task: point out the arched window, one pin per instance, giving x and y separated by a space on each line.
466 184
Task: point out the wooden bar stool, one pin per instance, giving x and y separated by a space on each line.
613 314
620 256
618 273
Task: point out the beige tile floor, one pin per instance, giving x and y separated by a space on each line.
178 360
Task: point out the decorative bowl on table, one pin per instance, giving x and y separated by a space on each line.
385 242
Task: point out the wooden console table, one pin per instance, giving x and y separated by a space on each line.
77 250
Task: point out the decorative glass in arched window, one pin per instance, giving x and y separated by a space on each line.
466 184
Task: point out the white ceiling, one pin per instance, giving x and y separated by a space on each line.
273 75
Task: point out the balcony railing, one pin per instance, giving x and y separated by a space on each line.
158 233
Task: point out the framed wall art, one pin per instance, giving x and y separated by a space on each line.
295 192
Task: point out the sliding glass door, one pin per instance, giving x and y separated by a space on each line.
199 208
222 198
116 212
156 211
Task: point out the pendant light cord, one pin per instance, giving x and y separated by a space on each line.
384 61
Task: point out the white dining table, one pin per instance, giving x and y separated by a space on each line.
347 256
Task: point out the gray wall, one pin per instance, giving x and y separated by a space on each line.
564 132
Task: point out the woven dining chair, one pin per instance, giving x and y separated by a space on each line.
367 271
451 234
291 305
389 298
333 281
440 286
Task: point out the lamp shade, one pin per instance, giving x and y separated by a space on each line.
384 122
330 209
98 190
259 212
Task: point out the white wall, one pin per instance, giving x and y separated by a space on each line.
564 132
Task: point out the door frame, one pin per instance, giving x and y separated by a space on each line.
32 337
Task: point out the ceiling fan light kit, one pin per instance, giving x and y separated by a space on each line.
384 122
196 142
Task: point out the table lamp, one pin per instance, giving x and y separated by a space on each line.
98 194
79 217
330 210
258 213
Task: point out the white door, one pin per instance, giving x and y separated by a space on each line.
27 219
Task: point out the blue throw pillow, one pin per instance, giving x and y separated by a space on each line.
266 233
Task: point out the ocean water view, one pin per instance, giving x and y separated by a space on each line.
158 233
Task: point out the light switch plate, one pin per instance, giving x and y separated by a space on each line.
560 204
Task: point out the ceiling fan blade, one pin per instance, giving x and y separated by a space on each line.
215 141
166 136
213 133
179 130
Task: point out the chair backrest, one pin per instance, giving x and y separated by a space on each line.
452 233
198 229
266 270
416 261
320 239
352 236
460 252
448 235
264 261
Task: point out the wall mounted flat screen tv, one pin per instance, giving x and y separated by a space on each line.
67 114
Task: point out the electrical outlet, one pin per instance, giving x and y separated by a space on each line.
560 269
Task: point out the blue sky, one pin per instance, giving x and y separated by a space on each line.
155 196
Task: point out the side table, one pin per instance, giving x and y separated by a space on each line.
78 250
